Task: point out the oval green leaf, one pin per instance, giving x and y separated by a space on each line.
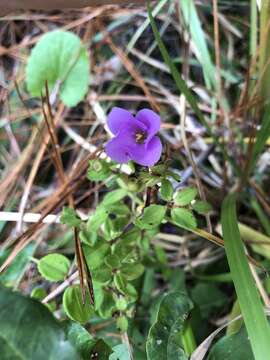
74 307
185 196
54 267
184 218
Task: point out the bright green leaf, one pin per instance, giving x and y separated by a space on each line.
185 196
60 59
152 216
69 217
201 207
54 267
184 218
113 197
95 255
132 271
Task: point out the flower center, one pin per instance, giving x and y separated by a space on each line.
140 137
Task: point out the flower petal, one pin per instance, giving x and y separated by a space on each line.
150 119
119 119
117 150
146 155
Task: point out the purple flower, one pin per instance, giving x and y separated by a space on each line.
134 137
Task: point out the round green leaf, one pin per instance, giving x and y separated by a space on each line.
184 218
60 59
54 267
74 307
185 196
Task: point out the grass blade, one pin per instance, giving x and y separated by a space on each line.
262 137
182 86
180 83
201 49
247 294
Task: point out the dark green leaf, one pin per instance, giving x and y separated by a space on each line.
166 190
164 338
232 347
29 331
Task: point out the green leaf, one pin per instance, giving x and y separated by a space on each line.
112 261
152 216
184 218
74 307
69 217
98 170
124 287
232 347
95 255
15 271
166 190
201 207
107 306
185 196
29 331
113 197
164 338
120 352
54 267
208 297
60 59
101 351
247 294
97 219
81 340
102 275
132 271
